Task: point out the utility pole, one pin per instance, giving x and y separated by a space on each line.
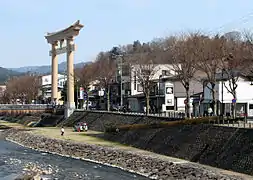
116 52
121 83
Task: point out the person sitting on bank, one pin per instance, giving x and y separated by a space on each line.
62 131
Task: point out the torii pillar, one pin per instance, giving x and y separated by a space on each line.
66 35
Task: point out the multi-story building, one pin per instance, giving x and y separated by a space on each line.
161 93
45 90
167 94
225 99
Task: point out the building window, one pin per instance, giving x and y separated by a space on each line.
169 90
135 80
169 108
166 72
139 88
169 101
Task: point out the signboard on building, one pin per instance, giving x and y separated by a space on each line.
233 100
81 93
101 93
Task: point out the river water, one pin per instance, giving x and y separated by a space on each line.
14 159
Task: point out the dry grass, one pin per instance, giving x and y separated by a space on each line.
13 125
85 137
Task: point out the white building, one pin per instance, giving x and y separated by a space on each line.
46 82
169 93
162 95
244 99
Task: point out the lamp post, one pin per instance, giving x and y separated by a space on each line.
77 100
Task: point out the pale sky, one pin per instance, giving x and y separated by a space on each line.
108 23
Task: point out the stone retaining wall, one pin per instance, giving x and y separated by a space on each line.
223 147
152 167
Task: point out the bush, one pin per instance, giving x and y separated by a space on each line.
164 124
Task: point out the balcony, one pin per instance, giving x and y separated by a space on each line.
160 92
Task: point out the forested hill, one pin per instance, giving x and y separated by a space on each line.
6 73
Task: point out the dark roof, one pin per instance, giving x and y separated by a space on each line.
197 94
137 96
225 76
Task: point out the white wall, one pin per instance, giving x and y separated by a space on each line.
208 93
244 92
180 104
47 80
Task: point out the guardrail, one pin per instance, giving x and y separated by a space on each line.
24 106
172 114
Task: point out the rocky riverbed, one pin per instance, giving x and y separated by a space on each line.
150 166
21 163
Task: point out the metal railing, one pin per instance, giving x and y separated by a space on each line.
171 114
24 106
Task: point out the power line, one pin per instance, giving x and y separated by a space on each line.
242 20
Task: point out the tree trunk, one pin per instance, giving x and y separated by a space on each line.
214 100
147 103
234 107
87 102
187 106
108 98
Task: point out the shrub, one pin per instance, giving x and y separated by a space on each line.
164 124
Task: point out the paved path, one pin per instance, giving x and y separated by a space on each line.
238 125
83 137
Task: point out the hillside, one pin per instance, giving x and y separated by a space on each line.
6 73
46 68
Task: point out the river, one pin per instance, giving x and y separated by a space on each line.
14 159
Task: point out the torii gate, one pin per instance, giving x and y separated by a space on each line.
66 35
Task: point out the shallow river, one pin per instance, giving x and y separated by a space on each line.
14 159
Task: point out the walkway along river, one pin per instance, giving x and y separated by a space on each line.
14 160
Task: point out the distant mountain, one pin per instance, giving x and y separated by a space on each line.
46 69
6 73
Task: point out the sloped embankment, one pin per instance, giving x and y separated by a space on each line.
223 147
39 120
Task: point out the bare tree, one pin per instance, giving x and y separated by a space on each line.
105 68
182 53
233 36
211 52
144 71
232 66
85 76
24 88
